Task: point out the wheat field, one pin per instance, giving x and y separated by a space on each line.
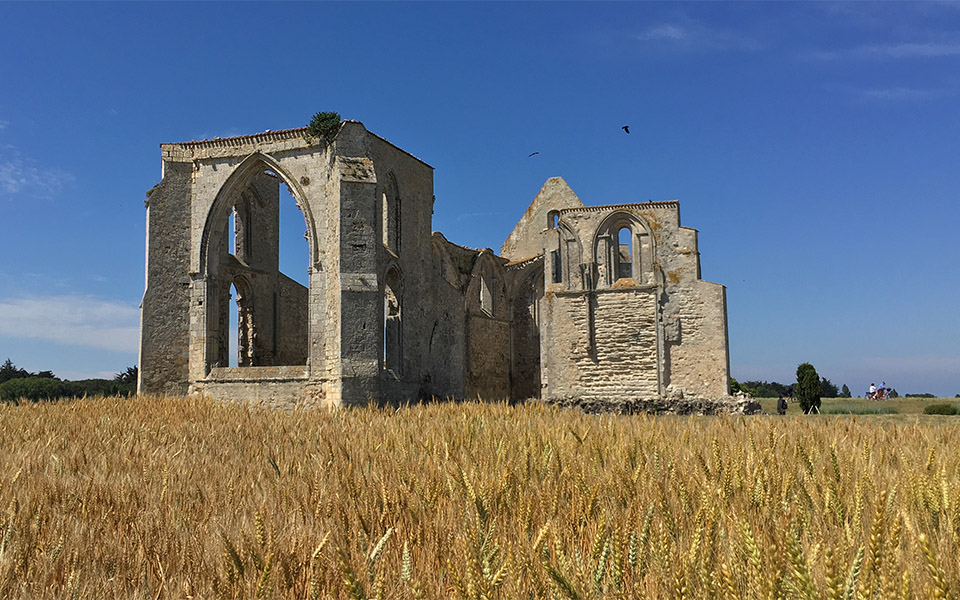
185 498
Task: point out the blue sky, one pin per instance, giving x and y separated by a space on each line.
815 147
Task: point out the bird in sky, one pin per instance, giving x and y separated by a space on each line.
532 154
626 128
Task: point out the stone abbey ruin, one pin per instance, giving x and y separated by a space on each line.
595 302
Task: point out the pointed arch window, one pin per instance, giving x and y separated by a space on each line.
391 218
392 358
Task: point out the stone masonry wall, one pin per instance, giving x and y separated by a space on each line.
165 308
602 344
292 313
698 359
488 371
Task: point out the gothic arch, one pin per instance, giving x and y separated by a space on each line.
566 262
233 187
614 262
391 229
392 355
487 291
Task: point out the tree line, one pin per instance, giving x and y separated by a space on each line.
17 383
772 389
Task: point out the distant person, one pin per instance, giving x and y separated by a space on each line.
790 391
781 405
873 392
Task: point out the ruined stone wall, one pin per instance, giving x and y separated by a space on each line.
394 312
488 366
698 359
285 387
292 315
410 181
527 294
524 241
602 344
165 308
446 353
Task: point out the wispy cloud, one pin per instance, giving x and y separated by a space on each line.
905 94
689 35
902 50
73 320
20 175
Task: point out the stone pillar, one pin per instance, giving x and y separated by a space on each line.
165 308
361 301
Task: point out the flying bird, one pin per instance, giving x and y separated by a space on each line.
626 128
532 154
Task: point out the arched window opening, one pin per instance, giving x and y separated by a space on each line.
624 255
291 294
232 232
486 294
392 325
553 219
557 265
240 324
391 218
233 356
294 248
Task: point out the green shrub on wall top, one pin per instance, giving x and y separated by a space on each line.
323 124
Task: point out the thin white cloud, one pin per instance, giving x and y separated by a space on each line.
689 35
18 175
905 94
664 32
22 175
903 50
73 320
78 375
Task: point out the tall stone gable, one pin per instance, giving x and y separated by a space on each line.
582 301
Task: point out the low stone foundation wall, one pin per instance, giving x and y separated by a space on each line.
728 405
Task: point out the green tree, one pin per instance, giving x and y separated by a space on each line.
827 389
764 389
807 389
734 386
10 371
128 376
844 391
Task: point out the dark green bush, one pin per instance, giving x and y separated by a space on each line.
323 124
940 409
31 388
45 388
99 387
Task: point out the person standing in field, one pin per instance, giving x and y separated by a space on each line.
781 405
